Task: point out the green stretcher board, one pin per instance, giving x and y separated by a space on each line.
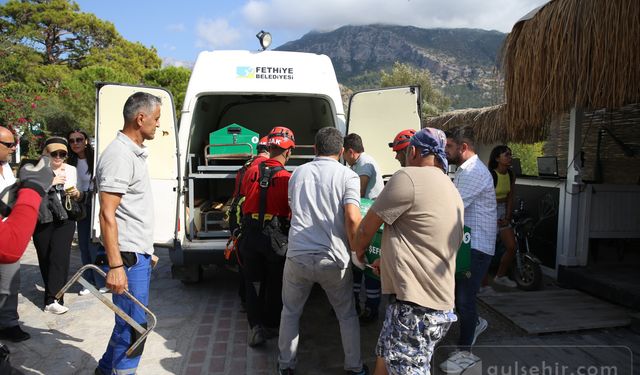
463 258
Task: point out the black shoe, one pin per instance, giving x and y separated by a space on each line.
285 371
98 371
364 371
368 316
255 336
15 334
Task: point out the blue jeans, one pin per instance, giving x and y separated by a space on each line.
466 290
115 360
88 249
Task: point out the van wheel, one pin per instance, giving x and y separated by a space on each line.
189 274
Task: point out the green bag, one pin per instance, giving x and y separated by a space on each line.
373 251
463 258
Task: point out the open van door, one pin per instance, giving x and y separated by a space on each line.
163 155
378 115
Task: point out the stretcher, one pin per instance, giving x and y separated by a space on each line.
151 317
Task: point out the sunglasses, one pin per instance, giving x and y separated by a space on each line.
76 140
9 144
58 154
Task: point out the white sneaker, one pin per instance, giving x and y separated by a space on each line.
459 362
486 291
505 281
56 308
84 292
481 326
104 290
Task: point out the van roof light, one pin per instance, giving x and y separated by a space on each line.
265 39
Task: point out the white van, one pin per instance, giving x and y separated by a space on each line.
257 91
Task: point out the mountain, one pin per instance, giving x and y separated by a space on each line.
462 62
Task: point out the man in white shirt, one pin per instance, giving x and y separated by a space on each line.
9 273
475 185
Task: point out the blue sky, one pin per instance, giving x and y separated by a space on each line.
179 30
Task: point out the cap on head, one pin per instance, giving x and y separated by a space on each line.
281 137
431 141
55 144
401 140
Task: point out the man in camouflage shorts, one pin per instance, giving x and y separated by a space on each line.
422 214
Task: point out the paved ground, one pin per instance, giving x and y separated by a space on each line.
202 331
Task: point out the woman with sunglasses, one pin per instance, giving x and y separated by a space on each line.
54 231
81 157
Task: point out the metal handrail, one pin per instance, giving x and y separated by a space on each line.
151 317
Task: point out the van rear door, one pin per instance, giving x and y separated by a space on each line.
163 154
378 115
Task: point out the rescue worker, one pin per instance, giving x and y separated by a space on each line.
265 225
235 212
400 142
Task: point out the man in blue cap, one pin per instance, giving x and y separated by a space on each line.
422 214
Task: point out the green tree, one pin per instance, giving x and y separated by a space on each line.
434 102
56 29
528 155
175 79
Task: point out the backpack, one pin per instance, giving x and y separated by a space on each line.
233 216
495 177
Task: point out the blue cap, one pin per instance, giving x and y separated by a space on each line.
431 141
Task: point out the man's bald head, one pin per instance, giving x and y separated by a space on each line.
6 137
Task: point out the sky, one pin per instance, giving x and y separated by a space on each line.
179 30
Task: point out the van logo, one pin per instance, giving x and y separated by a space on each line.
245 72
265 72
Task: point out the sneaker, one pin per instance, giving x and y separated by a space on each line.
255 336
481 326
84 292
104 290
368 316
486 291
364 371
55 308
285 371
505 281
14 334
458 362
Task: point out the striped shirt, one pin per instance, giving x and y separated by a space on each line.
475 185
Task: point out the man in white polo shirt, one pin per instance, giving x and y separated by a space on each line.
126 223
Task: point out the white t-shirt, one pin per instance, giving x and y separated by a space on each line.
366 166
7 178
84 178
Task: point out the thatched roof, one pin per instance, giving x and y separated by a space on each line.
583 53
486 122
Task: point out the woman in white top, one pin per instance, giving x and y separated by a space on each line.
54 231
81 157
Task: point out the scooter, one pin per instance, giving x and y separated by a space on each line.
526 270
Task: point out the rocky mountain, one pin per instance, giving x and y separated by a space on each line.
462 62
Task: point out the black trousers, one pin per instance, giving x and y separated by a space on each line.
53 245
263 277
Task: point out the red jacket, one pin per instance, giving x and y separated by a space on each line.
16 231
277 199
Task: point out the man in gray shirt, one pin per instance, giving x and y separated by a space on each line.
126 223
324 197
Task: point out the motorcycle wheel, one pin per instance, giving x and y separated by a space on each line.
529 277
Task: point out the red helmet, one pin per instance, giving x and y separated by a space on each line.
282 137
263 144
401 141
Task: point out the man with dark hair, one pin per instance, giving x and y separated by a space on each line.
126 223
325 198
371 185
422 215
475 184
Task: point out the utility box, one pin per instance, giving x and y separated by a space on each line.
232 140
